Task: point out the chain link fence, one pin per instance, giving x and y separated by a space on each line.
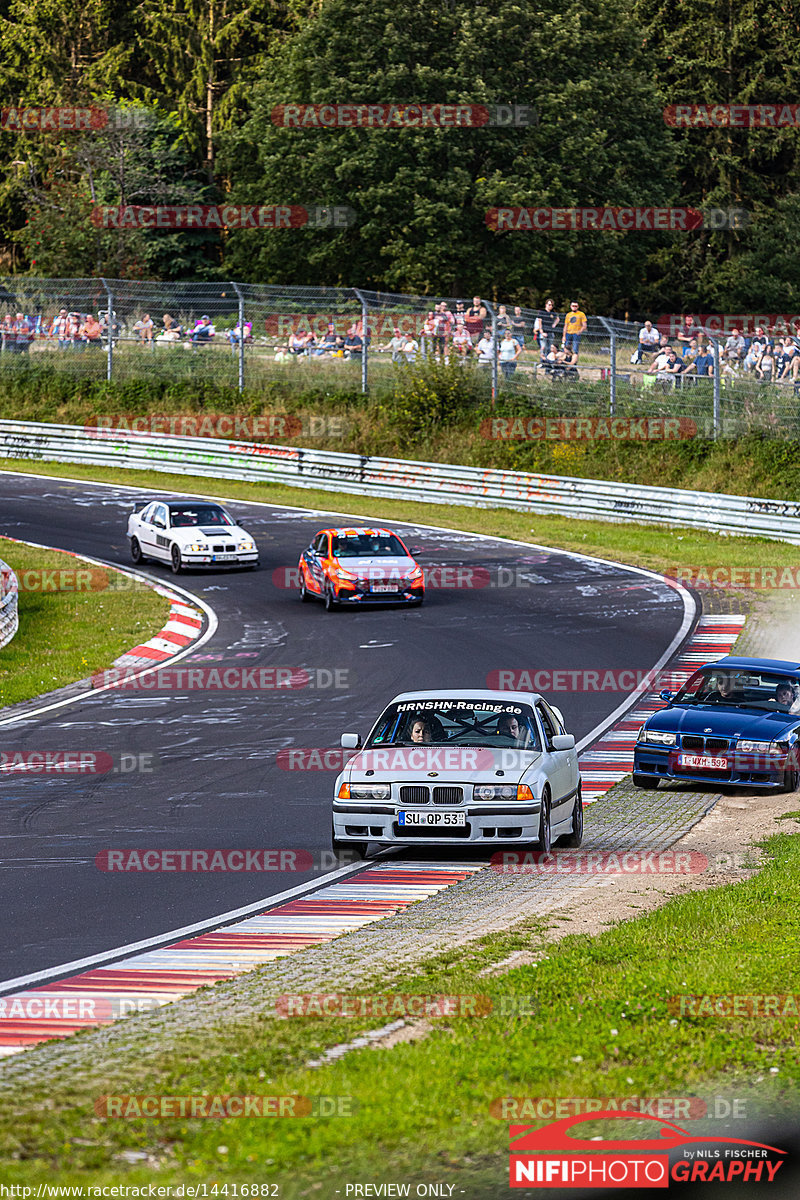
9 613
248 336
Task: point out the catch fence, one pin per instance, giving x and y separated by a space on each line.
249 336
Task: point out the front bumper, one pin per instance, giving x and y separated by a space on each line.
366 596
238 559
485 824
744 770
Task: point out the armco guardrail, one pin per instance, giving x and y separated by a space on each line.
9 613
398 479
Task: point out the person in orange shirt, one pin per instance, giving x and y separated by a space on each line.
574 325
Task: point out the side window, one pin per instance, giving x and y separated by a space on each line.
548 722
554 718
146 515
321 543
160 516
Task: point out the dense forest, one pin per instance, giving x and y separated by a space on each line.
192 86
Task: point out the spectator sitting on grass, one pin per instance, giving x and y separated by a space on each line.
90 330
203 330
297 343
753 354
734 346
649 339
703 365
353 345
58 329
410 348
691 352
144 329
171 331
766 364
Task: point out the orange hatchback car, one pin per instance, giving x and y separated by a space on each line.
360 566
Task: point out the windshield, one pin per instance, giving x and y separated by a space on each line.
763 690
199 514
369 545
457 723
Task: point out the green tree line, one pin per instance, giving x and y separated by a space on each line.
201 79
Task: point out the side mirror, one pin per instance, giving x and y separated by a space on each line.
666 695
350 741
563 741
415 550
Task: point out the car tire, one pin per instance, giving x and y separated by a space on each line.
645 781
573 840
330 602
136 551
544 839
347 852
175 557
305 595
791 779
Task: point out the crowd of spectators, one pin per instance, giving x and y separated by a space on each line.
72 330
765 356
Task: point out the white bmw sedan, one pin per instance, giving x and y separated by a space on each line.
186 533
477 768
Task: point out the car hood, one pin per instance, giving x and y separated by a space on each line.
723 721
444 764
192 533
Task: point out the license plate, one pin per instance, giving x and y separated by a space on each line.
704 762
223 557
431 818
383 587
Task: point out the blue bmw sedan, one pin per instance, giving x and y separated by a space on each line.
734 721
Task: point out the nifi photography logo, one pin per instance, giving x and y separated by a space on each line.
553 1157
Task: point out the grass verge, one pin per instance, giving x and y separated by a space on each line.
658 548
66 635
604 1023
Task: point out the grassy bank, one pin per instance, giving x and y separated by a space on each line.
597 1017
74 619
436 414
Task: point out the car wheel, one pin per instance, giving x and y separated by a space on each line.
545 839
330 601
574 839
136 550
176 559
347 852
305 595
791 779
645 781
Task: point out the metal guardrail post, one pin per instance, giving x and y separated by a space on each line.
364 336
612 391
238 291
717 416
495 348
110 346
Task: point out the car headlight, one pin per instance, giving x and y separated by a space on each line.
247 545
754 747
659 738
415 574
369 791
339 573
199 547
502 791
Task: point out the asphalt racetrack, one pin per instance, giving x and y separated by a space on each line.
216 779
